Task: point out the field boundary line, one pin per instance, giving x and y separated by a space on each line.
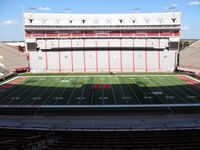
192 78
4 82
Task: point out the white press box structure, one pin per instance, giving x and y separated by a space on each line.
146 42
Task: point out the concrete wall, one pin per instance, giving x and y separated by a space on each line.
103 61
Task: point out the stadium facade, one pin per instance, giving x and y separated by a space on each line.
146 42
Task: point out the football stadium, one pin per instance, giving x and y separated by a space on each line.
100 81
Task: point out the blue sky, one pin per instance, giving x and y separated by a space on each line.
11 12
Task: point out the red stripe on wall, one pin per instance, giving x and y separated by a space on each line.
46 57
46 60
96 56
59 59
72 61
133 58
108 56
84 58
121 56
146 59
159 56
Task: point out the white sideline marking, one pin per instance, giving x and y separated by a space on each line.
192 78
10 80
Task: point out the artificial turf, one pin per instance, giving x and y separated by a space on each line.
101 90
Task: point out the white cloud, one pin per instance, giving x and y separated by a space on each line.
171 7
194 3
44 8
185 27
9 22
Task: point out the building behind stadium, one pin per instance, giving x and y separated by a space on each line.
146 42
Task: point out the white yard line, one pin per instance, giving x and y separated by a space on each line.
132 90
13 86
166 88
12 93
72 91
157 88
63 91
174 92
22 91
92 96
35 90
46 99
186 94
102 91
144 91
83 90
159 96
122 91
112 91
188 89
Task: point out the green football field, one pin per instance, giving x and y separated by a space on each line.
80 91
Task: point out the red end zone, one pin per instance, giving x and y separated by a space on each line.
189 81
104 86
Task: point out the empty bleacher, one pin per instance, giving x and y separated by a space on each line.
189 59
99 140
3 72
195 44
168 140
11 60
22 139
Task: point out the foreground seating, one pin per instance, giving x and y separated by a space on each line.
167 140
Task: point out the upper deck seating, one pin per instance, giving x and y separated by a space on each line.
11 59
190 58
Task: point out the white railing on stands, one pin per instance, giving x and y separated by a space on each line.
103 106
29 27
